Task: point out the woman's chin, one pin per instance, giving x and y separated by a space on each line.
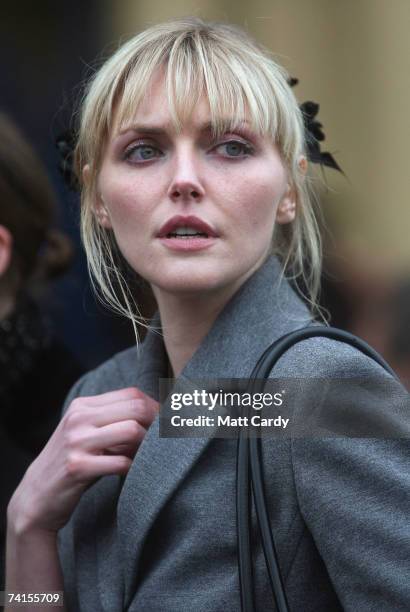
190 282
188 287
187 279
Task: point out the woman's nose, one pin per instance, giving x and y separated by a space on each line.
185 184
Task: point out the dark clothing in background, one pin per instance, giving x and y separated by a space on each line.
36 372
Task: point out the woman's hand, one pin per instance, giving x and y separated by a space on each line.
98 435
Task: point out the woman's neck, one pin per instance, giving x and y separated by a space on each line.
186 321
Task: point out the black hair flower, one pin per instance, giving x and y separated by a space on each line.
314 134
65 144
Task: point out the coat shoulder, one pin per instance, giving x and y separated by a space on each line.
321 357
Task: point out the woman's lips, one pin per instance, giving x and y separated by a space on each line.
190 243
187 221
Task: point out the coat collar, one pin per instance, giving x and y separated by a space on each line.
262 310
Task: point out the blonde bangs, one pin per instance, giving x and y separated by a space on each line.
195 65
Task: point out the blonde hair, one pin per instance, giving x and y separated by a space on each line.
240 78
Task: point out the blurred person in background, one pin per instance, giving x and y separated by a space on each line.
35 369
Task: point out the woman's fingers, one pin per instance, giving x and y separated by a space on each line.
112 396
97 436
142 409
128 450
138 410
129 433
81 469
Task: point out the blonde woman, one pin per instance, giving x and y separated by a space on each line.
191 156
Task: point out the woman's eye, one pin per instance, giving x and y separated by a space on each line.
235 148
141 152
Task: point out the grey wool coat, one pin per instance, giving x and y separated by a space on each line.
164 537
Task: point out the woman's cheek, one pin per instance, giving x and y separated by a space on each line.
259 210
119 191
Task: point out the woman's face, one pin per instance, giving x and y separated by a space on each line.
237 185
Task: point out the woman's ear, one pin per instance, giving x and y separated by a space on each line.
303 164
6 249
99 208
286 211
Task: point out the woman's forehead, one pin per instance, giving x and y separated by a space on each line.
162 107
154 116
157 111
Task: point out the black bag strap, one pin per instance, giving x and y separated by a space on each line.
249 470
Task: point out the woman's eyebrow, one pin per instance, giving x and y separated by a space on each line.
158 130
140 127
226 124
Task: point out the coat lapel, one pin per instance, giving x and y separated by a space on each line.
262 310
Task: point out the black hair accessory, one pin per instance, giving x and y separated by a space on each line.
65 143
314 134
